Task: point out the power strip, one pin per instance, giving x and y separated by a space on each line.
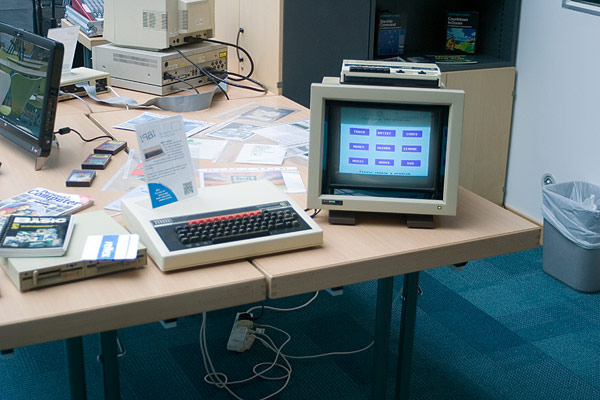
241 337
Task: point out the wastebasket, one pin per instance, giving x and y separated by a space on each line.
571 251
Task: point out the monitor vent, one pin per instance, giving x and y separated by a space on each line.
183 20
154 20
135 60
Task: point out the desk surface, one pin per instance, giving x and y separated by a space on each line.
111 301
379 246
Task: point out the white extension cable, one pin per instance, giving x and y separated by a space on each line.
220 379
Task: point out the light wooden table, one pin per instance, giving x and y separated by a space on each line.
381 247
109 302
378 247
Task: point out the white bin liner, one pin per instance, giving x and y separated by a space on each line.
573 208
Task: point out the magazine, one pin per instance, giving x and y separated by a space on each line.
452 59
35 236
40 201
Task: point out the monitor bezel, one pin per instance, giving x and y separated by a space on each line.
331 90
40 144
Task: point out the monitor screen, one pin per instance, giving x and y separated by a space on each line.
30 68
384 149
387 148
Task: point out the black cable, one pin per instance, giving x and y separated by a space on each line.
65 130
262 89
171 76
228 44
315 212
262 311
237 44
210 76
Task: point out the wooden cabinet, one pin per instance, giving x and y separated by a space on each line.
256 25
486 128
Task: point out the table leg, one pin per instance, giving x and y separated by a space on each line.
410 290
110 367
383 322
76 371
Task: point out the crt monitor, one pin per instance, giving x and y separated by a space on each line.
30 68
384 149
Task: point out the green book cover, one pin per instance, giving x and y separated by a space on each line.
461 32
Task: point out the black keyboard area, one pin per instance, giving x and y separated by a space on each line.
206 229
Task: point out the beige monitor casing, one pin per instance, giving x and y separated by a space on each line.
157 24
331 89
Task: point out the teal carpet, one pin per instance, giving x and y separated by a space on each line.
500 329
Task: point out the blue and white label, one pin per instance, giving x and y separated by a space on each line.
110 247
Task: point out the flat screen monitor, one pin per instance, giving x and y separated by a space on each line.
30 69
384 149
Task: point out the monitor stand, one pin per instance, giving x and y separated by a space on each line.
337 217
419 221
40 162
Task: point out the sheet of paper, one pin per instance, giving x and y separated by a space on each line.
297 151
256 112
287 179
141 190
191 126
291 134
261 154
166 160
233 131
110 247
206 149
68 37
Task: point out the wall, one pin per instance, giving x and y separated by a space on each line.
556 119
17 13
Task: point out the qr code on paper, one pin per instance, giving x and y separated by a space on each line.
188 188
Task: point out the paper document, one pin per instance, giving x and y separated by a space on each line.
261 154
286 178
256 112
206 149
233 131
139 191
166 160
291 134
191 126
68 37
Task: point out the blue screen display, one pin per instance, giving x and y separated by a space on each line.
384 142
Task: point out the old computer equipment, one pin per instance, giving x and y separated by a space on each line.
388 149
30 71
35 272
157 24
160 72
390 73
221 223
